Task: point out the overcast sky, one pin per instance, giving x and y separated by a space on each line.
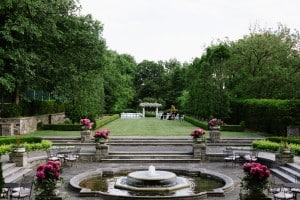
164 29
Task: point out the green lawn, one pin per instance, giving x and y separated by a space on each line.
146 127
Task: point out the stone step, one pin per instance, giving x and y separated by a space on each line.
282 175
291 172
146 156
149 153
191 160
294 166
14 174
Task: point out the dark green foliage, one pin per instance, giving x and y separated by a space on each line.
23 139
235 128
294 140
266 115
106 120
62 127
196 122
42 107
10 110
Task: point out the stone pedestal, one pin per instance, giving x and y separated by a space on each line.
199 151
20 158
101 151
284 157
85 136
215 134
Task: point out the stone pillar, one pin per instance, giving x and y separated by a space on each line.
143 111
85 136
215 134
20 158
284 157
156 112
102 151
199 151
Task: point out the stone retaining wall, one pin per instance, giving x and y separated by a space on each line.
23 125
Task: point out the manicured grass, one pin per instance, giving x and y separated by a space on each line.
146 127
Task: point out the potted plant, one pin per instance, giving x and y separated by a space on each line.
198 135
214 123
47 176
101 136
255 180
86 126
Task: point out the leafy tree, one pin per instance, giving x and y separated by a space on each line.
150 80
265 64
119 73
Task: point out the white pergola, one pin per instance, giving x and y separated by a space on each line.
150 105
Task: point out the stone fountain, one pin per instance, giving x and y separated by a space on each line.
152 180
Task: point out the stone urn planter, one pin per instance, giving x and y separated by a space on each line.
18 155
215 134
85 135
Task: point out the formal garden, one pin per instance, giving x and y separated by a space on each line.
70 108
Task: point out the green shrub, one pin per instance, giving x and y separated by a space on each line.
10 110
196 122
265 145
62 127
235 128
294 140
266 115
22 139
101 122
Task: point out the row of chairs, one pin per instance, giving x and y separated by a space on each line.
239 157
67 156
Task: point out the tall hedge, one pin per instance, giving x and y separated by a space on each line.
266 115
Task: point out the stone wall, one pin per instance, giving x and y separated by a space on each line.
23 125
55 118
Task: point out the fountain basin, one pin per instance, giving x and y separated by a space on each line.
227 185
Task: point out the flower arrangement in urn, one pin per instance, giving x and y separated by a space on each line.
86 124
256 179
47 176
101 135
198 133
215 123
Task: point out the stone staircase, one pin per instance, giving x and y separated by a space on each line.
11 173
147 149
289 173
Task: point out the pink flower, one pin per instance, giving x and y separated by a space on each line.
102 134
198 132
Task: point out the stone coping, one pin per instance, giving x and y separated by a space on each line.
218 192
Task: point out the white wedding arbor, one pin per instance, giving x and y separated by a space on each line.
150 105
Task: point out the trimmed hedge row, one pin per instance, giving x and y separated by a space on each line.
267 145
6 140
62 127
43 145
77 127
204 125
106 120
294 140
196 122
266 115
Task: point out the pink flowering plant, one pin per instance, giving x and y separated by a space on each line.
102 134
47 176
215 122
197 133
256 178
86 124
